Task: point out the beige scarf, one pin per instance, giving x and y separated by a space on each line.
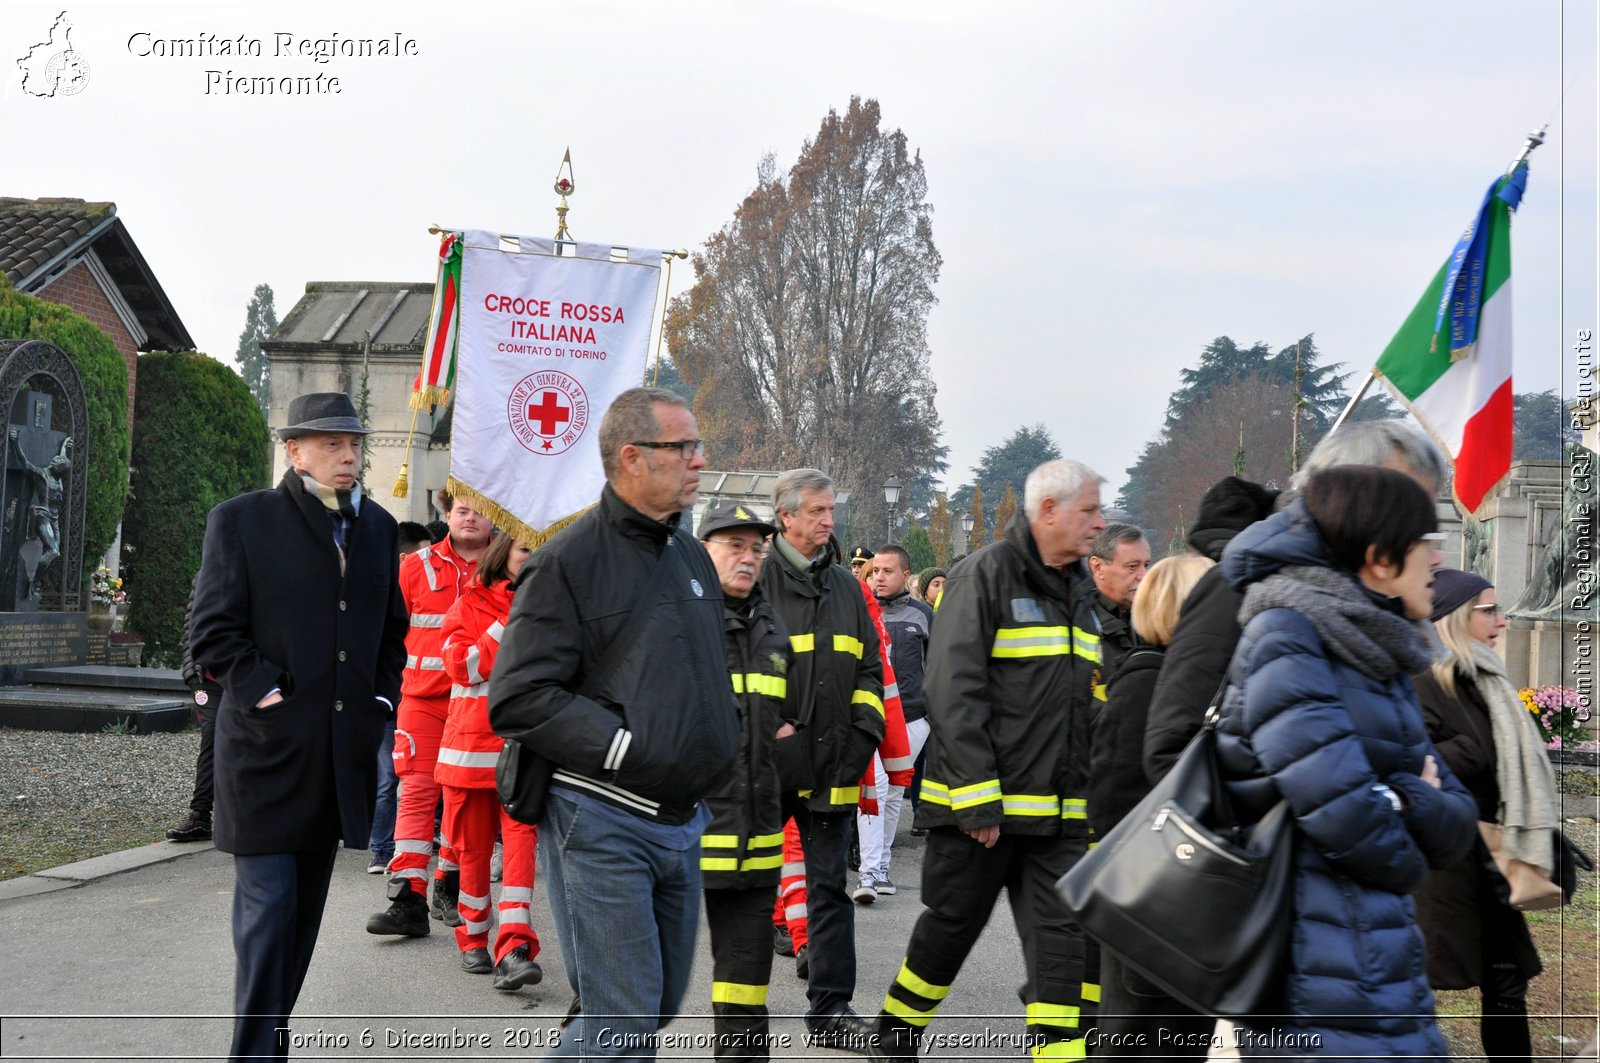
1528 813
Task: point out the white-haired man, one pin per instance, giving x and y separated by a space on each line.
1012 666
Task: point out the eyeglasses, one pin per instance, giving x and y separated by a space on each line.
759 548
1494 611
686 448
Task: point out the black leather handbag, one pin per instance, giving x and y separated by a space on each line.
1194 902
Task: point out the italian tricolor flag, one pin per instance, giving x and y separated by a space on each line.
1450 363
438 374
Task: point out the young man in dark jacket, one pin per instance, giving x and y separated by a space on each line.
1010 687
612 667
741 852
837 700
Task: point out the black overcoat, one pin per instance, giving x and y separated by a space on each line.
272 609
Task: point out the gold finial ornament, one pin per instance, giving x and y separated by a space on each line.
564 187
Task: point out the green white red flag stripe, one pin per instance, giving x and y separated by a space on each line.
1450 363
438 374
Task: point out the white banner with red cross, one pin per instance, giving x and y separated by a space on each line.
546 342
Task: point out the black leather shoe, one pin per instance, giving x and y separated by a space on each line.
517 970
196 827
883 1047
476 961
407 916
782 943
844 1030
802 963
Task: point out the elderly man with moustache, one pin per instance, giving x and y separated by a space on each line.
297 612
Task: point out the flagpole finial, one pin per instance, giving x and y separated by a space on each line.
1535 138
564 187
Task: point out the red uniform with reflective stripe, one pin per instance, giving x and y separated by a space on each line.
895 749
471 639
430 580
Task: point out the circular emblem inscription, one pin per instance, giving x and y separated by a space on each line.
201 697
699 591
548 411
68 72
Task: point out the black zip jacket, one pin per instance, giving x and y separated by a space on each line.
836 684
1011 674
743 846
660 731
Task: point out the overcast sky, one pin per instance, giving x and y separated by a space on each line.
1114 184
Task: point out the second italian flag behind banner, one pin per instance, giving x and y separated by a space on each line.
545 344
1450 363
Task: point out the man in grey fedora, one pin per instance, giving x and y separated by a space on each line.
297 612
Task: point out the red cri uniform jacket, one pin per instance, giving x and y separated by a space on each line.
895 749
472 630
430 581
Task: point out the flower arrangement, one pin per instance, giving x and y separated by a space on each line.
1561 713
106 589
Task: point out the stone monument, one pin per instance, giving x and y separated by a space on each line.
43 499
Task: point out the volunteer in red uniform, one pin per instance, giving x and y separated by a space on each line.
473 815
430 580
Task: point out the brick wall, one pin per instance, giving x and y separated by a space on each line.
78 289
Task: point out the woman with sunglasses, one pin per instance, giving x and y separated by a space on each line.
1478 724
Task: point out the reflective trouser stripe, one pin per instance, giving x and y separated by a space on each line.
1051 1027
475 903
1091 992
516 895
925 997
514 915
735 993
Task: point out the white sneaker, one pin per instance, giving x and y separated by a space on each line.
864 893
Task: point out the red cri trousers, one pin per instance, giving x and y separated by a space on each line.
471 820
419 725
790 910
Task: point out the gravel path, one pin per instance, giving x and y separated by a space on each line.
71 796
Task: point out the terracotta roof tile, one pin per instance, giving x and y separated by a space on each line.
34 231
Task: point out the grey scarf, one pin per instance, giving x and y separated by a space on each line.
1353 627
1521 767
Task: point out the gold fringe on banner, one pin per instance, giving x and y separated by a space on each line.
503 518
429 395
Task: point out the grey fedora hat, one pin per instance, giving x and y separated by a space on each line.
323 411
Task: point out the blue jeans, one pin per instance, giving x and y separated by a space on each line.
625 899
382 842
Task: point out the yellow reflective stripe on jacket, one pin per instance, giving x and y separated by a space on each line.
737 993
846 644
864 697
1086 644
1031 642
1100 692
803 643
844 795
979 793
773 686
935 792
1074 808
1030 804
1046 641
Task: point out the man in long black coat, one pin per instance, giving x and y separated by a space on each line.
297 612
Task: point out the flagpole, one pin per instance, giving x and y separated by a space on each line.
1534 139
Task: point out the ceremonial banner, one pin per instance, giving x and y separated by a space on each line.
1450 363
545 343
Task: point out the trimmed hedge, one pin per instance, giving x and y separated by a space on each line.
199 439
105 387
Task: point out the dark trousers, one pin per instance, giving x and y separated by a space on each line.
277 909
741 969
1138 1020
830 915
205 777
961 880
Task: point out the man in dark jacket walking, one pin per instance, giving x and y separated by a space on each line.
1010 684
837 698
1118 562
741 852
612 667
297 612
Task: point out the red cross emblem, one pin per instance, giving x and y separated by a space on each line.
549 415
548 411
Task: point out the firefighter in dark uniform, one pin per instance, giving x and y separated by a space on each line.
1012 668
741 852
